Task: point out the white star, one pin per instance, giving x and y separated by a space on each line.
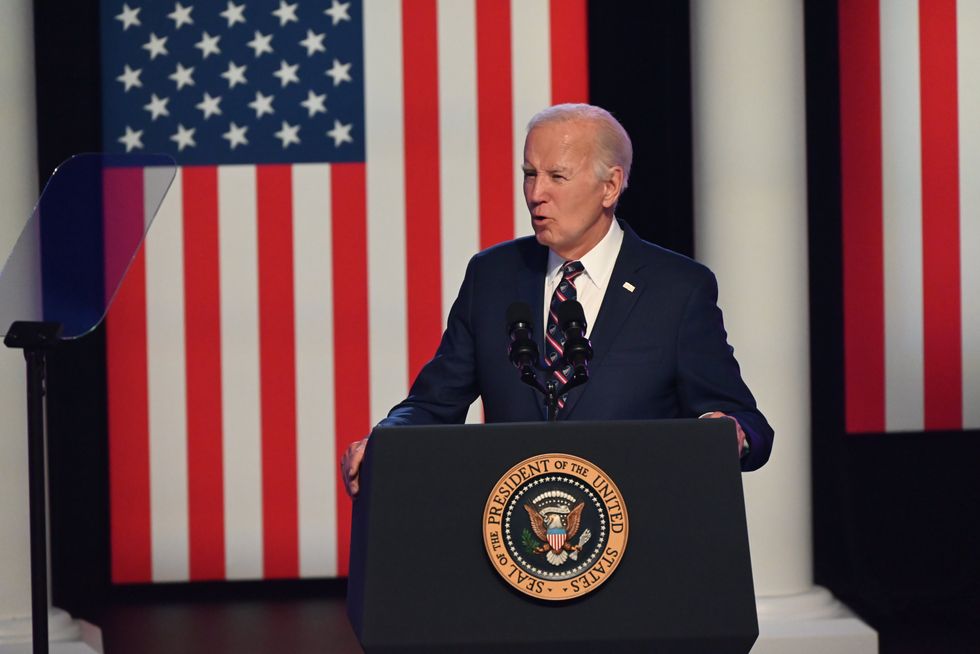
314 103
288 134
236 135
234 75
181 16
132 139
313 43
338 11
129 17
209 105
182 76
156 46
157 107
234 13
286 73
184 138
261 43
130 77
262 104
208 45
340 133
286 12
339 72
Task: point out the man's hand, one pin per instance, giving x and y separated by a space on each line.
350 465
738 427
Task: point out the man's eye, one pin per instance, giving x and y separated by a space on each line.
529 173
557 177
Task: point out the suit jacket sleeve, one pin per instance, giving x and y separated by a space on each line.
446 385
708 376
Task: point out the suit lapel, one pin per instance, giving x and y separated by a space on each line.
617 303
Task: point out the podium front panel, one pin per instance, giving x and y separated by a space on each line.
421 579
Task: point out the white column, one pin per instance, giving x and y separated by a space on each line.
18 188
749 120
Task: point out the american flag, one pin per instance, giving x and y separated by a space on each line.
910 158
339 164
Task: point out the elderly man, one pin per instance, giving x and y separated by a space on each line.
652 315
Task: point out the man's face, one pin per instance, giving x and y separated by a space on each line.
570 207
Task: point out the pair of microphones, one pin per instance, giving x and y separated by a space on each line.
523 349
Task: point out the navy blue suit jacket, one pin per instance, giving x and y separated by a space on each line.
660 350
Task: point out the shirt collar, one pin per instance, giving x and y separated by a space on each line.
598 262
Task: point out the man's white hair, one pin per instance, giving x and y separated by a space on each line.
612 147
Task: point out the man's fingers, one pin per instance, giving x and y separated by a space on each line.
350 465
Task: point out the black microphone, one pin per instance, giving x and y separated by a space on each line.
578 349
523 351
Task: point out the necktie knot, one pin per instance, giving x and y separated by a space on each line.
572 269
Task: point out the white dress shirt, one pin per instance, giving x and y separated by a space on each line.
590 286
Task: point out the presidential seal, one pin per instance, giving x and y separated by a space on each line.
555 526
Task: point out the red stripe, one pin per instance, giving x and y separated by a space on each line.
861 207
423 279
202 325
495 122
126 372
569 51
280 519
942 345
350 292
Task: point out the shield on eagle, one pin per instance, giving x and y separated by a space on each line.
556 538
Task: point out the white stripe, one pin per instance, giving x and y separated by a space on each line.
458 143
458 150
902 210
385 180
312 265
530 39
166 386
241 413
968 73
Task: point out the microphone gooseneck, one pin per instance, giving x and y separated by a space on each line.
522 350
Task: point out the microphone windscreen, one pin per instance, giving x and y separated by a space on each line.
518 312
569 311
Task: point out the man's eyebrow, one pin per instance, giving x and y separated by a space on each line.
553 169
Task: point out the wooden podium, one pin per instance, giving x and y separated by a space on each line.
421 579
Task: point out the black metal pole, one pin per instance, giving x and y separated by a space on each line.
38 497
551 399
36 338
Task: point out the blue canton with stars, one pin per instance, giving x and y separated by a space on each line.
218 82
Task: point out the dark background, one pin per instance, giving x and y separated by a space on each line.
896 529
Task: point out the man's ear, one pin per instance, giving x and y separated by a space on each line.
612 187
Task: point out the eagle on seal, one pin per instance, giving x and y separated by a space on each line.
555 533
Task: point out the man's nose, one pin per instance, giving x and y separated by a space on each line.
536 191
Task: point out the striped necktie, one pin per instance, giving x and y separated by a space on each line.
554 338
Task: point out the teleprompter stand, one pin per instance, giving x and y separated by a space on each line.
421 581
57 284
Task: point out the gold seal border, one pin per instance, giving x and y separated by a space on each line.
494 540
